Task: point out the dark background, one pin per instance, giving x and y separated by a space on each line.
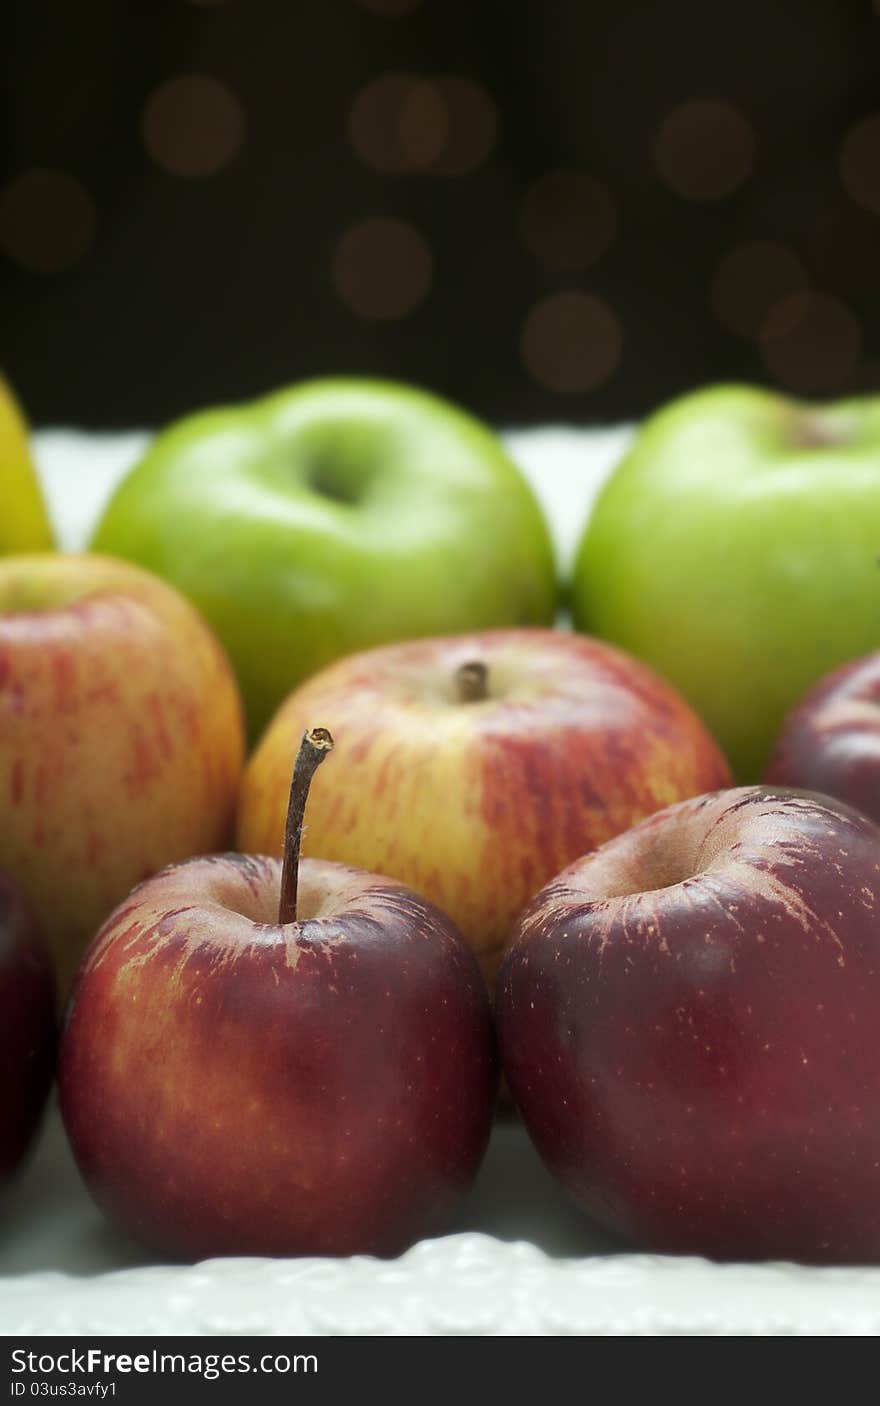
547 209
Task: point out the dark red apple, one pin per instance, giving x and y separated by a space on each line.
27 1028
249 1067
689 1020
830 741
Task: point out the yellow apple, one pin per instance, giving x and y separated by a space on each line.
24 522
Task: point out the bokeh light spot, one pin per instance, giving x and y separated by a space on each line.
424 126
382 268
704 150
47 221
398 123
192 125
401 123
472 126
749 280
568 219
571 342
860 163
810 342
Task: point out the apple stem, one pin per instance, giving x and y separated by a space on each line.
316 743
472 681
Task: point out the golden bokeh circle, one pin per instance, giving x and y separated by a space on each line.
810 342
193 125
860 163
749 280
398 123
472 126
47 220
382 268
705 150
402 123
568 219
423 129
571 342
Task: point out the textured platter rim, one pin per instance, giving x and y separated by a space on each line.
457 1285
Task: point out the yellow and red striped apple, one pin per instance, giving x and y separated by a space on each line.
474 767
121 739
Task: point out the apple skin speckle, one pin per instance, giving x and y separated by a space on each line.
830 741
688 1023
230 1085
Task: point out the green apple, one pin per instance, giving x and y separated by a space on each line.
334 516
735 549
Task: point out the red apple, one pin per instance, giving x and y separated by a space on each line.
248 1070
121 741
688 1020
830 741
478 765
27 1028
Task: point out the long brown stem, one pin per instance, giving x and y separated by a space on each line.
314 747
472 681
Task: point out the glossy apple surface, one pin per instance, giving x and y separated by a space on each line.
235 1086
121 738
830 741
331 517
688 1022
735 550
478 802
27 1028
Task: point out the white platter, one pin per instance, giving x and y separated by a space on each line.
519 1260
